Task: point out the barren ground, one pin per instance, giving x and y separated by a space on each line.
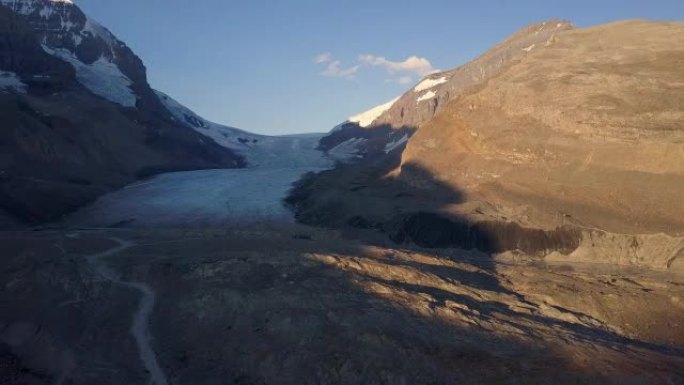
274 304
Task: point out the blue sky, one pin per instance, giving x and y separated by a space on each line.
251 63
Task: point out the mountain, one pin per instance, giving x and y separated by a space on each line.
587 130
80 118
386 127
258 151
572 143
358 138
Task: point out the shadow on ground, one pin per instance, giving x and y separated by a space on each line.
403 294
269 306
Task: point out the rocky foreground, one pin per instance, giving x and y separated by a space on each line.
293 305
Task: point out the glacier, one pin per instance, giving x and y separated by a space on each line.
213 197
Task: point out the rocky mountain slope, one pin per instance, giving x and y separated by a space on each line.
385 128
79 118
573 144
587 130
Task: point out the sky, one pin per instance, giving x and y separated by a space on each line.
295 66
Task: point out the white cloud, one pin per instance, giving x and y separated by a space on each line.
323 58
401 72
418 65
400 80
335 69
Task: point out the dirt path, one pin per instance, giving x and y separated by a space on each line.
141 319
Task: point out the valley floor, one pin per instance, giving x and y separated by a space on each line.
287 304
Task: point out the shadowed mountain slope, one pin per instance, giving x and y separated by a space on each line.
78 117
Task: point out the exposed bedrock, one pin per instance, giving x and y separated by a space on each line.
436 231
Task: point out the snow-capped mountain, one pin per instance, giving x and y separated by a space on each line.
79 118
259 151
103 64
385 128
431 94
527 138
359 138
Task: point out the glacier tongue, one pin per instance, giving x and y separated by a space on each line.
213 197
196 198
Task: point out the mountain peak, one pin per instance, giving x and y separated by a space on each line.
27 7
103 64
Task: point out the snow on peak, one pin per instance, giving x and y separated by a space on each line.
10 81
27 7
69 16
365 119
102 77
429 83
426 96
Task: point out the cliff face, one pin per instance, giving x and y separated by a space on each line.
79 118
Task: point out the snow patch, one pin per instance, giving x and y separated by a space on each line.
396 143
530 48
77 39
365 119
347 150
102 77
429 83
10 81
27 7
426 96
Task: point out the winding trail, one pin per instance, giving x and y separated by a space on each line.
141 319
